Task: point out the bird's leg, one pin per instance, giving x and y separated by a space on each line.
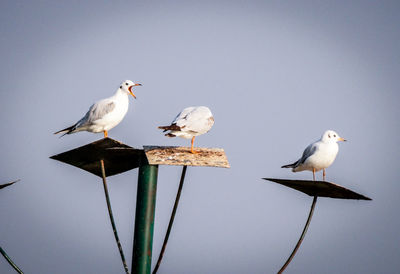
105 133
323 174
191 148
313 173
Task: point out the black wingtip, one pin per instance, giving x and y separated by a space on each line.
67 130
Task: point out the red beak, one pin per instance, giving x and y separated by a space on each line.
130 90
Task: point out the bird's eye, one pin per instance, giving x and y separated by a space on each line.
329 136
334 135
126 84
120 86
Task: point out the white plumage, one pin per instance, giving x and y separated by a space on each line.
105 114
318 155
190 122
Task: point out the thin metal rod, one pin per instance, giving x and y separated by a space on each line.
121 252
10 261
171 220
144 219
302 234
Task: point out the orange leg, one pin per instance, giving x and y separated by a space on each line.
105 133
313 173
323 174
191 148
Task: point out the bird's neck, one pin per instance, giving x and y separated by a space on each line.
331 144
120 93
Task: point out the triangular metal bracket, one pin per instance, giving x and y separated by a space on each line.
320 188
117 157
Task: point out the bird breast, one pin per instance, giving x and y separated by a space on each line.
113 118
323 157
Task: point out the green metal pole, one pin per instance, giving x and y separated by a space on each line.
144 220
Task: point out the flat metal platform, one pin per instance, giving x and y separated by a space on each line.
117 157
320 188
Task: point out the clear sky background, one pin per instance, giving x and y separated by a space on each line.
276 75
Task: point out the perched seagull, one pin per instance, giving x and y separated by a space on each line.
190 122
105 114
318 155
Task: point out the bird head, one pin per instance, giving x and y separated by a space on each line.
331 136
127 86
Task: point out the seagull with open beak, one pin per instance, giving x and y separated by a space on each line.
105 114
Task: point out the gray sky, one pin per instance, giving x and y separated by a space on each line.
276 75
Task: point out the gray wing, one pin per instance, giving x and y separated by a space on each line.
196 119
307 153
183 115
97 111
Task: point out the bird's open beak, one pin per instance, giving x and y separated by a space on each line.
342 139
130 89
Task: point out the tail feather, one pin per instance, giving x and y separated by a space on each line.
289 166
170 127
67 130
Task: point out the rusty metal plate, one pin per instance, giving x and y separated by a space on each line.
117 157
320 188
181 156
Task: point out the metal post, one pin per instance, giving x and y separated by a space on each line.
144 220
171 220
121 252
302 234
10 261
301 237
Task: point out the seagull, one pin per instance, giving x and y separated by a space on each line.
105 114
189 123
318 155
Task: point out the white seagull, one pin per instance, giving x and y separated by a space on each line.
189 123
318 155
105 114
